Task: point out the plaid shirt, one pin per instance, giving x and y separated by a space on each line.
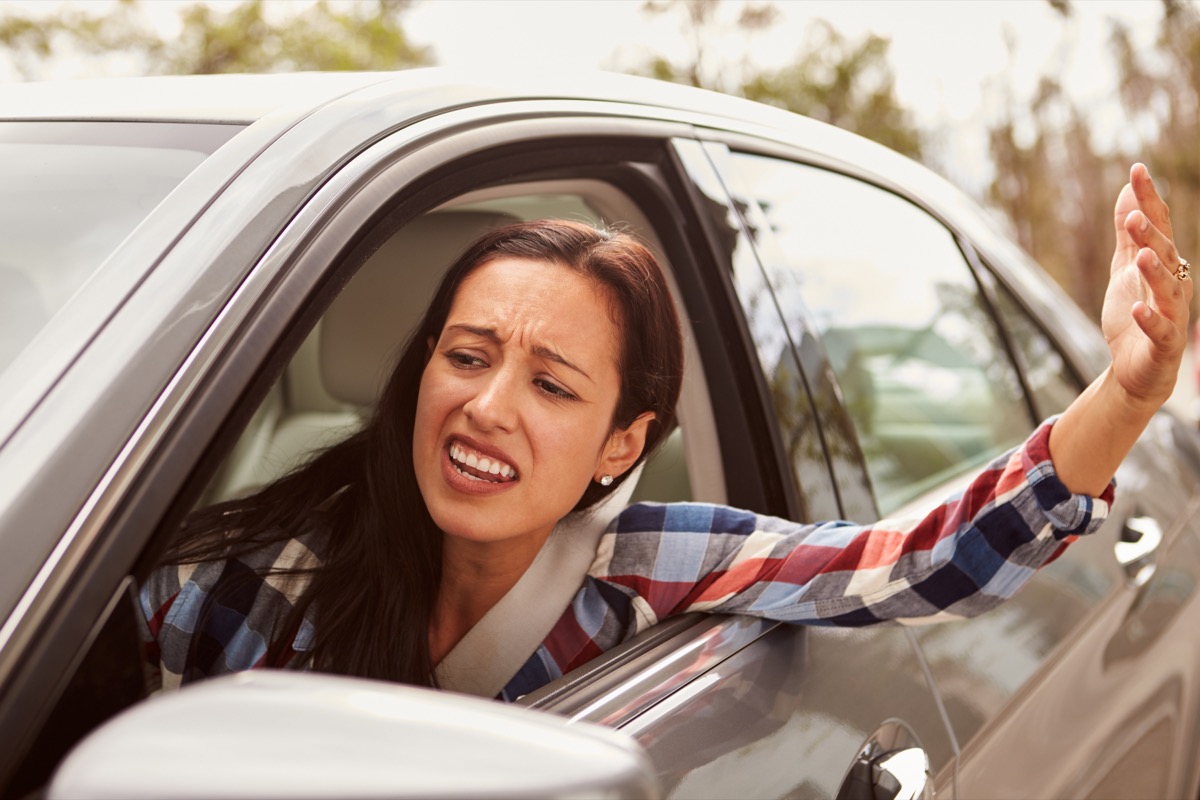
656 561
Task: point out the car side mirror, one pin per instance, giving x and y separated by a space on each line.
269 734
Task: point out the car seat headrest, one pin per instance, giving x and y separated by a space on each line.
363 331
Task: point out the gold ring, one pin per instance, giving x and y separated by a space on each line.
1184 270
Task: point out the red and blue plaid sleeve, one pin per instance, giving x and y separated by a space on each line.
964 557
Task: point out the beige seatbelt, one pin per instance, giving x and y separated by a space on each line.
488 656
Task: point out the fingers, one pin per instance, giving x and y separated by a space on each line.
1171 297
1146 234
1163 334
1149 228
1148 199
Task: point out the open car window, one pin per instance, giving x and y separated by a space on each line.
330 385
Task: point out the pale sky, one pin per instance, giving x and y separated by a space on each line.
949 56
944 52
942 49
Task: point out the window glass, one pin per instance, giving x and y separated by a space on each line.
928 381
1050 381
921 367
788 396
69 194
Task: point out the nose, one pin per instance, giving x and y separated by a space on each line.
494 404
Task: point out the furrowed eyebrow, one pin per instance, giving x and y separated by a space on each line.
483 333
550 355
541 351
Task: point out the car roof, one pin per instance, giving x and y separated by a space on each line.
243 98
208 98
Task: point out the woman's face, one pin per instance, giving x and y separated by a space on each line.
516 403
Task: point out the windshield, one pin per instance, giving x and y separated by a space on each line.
70 192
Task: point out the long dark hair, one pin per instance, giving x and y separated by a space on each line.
382 553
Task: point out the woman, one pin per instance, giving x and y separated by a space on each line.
547 367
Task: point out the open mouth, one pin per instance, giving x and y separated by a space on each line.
477 467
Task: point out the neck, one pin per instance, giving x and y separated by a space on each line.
475 576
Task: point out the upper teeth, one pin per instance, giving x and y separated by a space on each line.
481 463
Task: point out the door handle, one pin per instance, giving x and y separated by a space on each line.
1136 550
901 774
890 766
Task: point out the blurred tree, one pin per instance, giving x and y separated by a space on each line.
31 40
1161 92
25 42
1056 187
704 24
246 38
1057 190
317 38
845 83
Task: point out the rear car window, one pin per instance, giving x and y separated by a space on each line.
922 367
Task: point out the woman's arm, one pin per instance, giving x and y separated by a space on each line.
964 557
971 552
1145 320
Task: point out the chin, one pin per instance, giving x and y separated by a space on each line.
471 524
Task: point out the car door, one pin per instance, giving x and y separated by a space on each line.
1136 708
940 365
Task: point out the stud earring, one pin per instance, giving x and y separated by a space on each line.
606 480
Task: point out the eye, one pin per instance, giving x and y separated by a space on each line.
463 360
553 390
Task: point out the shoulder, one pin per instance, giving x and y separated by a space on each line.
696 518
676 538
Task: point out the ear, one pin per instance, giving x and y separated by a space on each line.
624 447
430 343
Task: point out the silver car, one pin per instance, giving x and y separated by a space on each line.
203 279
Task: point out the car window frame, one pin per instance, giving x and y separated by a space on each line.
725 228
993 280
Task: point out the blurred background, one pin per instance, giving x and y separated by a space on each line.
1036 108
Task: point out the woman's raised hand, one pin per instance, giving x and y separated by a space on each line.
1145 320
1145 315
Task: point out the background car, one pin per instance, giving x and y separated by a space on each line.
205 278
